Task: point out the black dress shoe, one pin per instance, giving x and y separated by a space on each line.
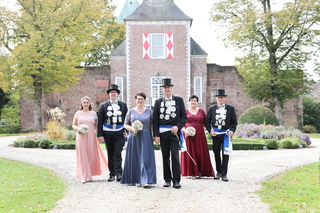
224 178
167 184
111 178
176 185
218 176
118 177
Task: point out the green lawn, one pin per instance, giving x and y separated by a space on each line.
314 135
28 187
297 190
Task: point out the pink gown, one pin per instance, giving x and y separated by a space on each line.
91 161
197 147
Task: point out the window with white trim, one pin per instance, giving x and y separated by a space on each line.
119 82
157 46
197 88
156 89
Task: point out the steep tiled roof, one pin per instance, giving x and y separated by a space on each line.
149 11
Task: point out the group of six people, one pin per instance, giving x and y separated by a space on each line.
166 124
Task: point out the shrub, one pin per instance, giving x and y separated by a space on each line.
55 130
270 134
258 115
71 135
45 144
17 143
248 131
309 129
286 144
271 144
29 143
306 139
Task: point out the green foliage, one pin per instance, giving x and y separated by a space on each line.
45 144
9 129
10 113
276 44
71 135
3 99
29 143
309 129
258 115
270 134
49 39
286 144
271 144
296 190
28 188
311 115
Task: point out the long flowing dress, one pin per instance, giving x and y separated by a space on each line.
197 147
91 161
139 166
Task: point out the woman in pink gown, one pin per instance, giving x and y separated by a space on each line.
91 161
196 145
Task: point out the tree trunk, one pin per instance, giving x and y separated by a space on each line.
277 109
37 118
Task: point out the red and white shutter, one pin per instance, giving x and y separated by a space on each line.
146 45
169 45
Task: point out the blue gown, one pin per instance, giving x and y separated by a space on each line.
139 166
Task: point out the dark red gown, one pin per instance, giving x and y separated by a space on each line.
197 147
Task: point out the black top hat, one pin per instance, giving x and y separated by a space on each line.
166 82
113 87
221 92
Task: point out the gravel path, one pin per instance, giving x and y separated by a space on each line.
247 170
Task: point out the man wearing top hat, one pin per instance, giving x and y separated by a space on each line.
221 123
169 116
110 130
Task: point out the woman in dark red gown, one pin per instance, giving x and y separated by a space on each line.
196 145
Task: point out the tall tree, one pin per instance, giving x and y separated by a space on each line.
48 39
276 41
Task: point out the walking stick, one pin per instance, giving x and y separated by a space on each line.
188 152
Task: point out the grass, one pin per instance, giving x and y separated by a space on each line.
314 135
28 188
297 190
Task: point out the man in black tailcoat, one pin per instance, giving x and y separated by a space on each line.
169 116
110 130
220 118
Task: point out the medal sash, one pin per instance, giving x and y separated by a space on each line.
166 128
113 128
227 144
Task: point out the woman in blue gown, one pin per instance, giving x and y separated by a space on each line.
139 166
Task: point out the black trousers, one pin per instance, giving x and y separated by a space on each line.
169 144
221 164
114 145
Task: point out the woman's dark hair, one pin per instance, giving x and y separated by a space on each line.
140 94
194 96
85 97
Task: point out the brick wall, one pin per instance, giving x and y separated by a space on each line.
93 83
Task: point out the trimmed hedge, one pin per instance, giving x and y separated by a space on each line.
258 115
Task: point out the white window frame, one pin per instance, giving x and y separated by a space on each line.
197 88
119 81
156 82
157 45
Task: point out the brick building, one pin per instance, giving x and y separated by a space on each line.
157 45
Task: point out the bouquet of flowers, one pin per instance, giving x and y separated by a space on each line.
191 131
137 125
83 128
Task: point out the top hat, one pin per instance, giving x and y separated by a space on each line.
113 87
221 92
166 82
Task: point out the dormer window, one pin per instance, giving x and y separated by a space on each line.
157 45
